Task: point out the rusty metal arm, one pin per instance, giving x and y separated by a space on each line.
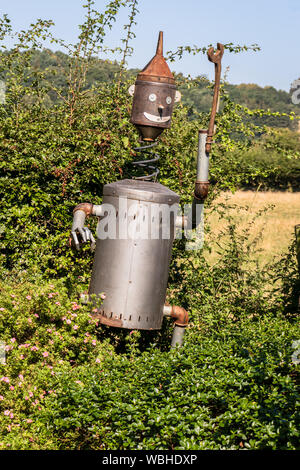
216 58
79 232
206 136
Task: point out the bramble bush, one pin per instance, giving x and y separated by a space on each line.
69 383
232 385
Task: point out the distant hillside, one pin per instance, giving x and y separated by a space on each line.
196 97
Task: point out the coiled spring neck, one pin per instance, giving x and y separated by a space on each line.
147 164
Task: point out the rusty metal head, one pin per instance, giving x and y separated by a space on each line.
154 95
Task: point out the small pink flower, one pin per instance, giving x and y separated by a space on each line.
6 412
68 321
28 297
22 356
57 303
29 320
11 387
98 360
1 309
75 327
29 421
26 398
13 340
1 397
36 315
11 415
21 377
45 354
94 342
34 348
5 379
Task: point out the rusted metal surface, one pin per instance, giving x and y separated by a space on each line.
86 207
180 315
157 70
109 320
201 190
152 108
153 96
216 58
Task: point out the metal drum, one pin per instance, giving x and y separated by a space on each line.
131 265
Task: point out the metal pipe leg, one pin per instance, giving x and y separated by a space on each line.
180 315
177 338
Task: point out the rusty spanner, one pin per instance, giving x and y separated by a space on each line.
216 58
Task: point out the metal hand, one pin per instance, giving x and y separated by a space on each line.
80 233
86 236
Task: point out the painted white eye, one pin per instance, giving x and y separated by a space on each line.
168 100
131 90
152 97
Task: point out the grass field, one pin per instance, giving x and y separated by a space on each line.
276 225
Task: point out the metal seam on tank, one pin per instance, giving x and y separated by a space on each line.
129 275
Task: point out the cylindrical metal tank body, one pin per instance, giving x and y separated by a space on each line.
131 265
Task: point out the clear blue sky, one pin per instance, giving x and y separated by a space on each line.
273 24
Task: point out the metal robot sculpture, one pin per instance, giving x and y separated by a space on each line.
130 271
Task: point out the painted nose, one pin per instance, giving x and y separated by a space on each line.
160 109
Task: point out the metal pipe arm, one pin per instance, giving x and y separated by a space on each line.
202 183
79 232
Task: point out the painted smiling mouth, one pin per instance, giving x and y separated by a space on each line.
153 118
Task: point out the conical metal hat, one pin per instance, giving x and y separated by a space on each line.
157 70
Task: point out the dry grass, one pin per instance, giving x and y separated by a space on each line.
277 224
